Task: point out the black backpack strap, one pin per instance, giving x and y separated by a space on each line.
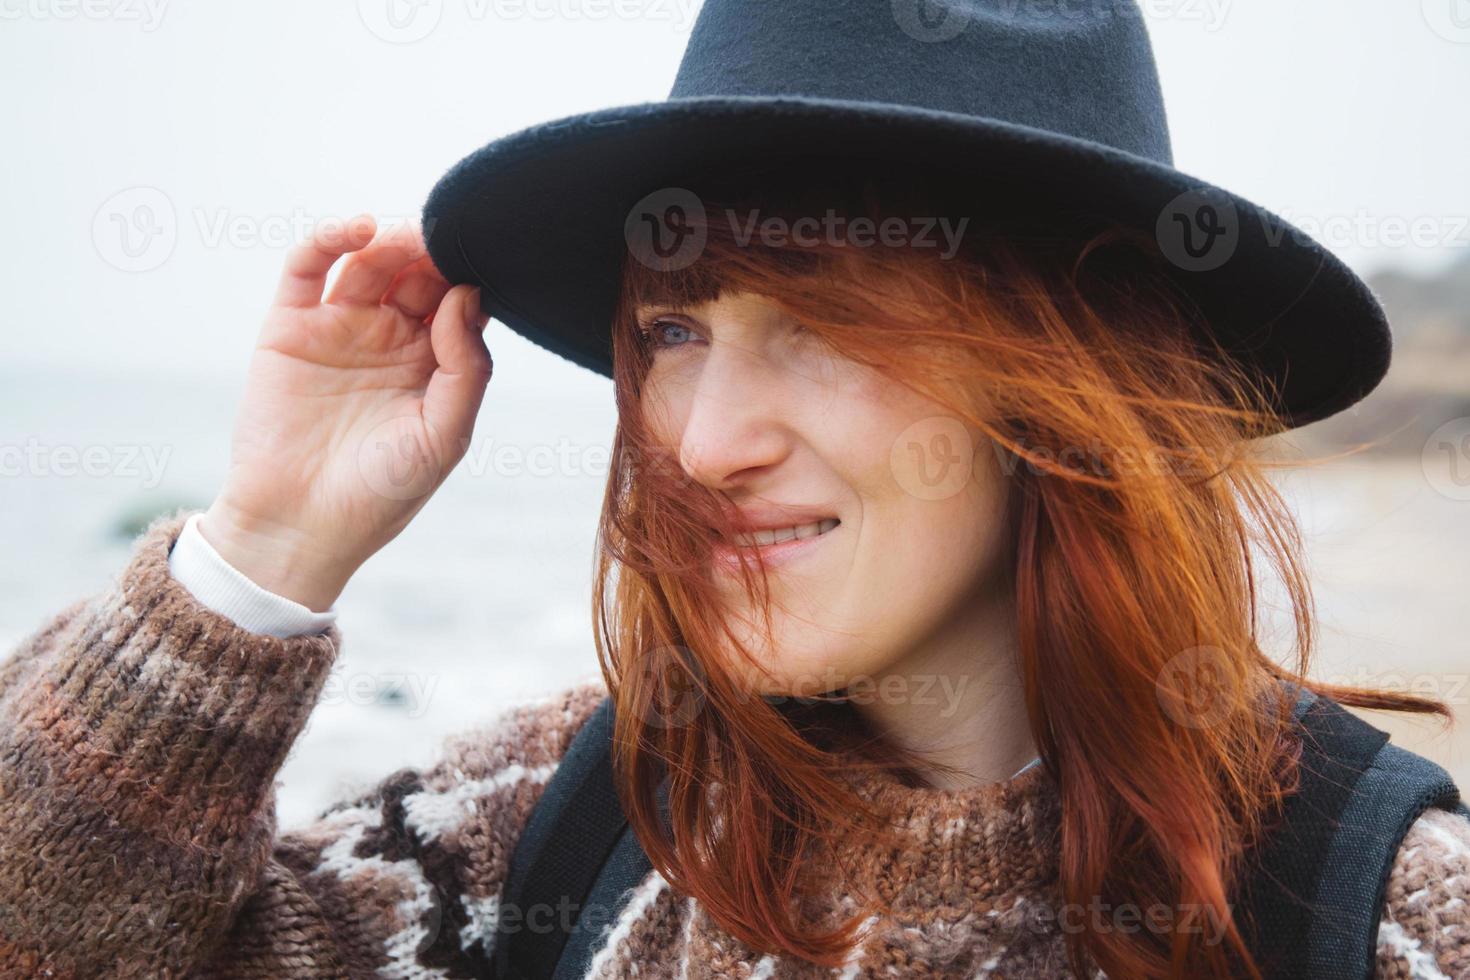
1311 900
1389 797
576 853
570 833
626 867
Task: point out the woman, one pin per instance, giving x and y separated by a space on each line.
926 598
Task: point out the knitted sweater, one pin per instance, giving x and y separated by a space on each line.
141 738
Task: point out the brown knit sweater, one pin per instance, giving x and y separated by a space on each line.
141 738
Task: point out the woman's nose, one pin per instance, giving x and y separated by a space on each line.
737 419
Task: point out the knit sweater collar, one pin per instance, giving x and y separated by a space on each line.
969 846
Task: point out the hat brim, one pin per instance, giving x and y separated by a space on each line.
536 219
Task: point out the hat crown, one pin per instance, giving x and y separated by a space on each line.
1082 69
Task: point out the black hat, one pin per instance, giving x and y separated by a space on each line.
1056 105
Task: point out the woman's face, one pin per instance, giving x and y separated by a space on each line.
799 436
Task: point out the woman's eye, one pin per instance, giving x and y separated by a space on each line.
666 333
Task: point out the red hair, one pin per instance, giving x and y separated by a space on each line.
1137 492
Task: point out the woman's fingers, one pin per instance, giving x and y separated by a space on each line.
418 290
455 390
305 273
367 274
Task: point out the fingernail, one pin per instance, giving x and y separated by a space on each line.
477 317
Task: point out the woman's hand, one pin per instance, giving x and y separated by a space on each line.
356 408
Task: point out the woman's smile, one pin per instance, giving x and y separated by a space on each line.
775 546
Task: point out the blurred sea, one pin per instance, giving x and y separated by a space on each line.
485 598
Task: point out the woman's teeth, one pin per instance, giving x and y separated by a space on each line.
756 539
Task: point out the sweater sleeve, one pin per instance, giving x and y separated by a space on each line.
1425 928
140 737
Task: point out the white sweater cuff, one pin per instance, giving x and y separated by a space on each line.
222 587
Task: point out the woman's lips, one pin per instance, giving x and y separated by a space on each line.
728 555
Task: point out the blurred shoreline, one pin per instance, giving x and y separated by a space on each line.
1428 381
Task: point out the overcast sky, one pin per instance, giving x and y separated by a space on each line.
248 120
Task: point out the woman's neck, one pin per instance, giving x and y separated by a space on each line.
958 701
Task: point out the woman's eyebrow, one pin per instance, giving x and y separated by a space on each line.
772 319
644 309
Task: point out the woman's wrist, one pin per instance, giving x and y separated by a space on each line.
224 589
276 557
